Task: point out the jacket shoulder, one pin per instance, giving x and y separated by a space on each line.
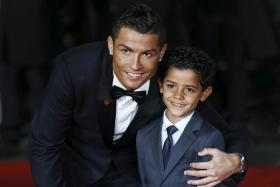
91 52
145 131
212 134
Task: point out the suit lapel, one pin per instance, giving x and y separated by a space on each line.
154 144
184 143
106 107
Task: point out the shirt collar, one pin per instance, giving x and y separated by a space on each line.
180 125
143 87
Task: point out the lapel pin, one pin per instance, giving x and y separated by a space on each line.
106 102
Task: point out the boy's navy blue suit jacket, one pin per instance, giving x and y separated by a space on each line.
197 135
70 140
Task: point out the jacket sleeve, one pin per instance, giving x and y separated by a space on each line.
234 137
216 140
49 125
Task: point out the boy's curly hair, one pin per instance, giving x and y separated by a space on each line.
188 58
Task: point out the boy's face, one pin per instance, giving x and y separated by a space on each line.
181 91
135 56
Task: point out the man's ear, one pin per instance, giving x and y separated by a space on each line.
160 84
110 45
205 93
163 49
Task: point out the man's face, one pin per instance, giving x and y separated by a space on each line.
135 56
181 92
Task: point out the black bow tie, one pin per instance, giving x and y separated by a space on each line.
118 92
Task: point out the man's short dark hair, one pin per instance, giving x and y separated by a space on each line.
142 19
188 58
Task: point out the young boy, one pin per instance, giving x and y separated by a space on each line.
168 145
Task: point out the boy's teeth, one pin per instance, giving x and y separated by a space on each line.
176 104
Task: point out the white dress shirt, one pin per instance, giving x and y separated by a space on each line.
126 108
180 125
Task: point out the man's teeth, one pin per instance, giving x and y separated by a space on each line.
134 74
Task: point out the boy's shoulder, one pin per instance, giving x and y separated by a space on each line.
206 127
208 135
210 132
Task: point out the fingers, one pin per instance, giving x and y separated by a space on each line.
204 182
210 172
208 151
202 165
214 152
195 173
200 173
211 184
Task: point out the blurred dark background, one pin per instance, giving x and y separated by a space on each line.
242 36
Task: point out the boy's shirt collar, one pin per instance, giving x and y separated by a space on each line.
180 125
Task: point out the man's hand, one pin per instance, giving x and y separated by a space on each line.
216 170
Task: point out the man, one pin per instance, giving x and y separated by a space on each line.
84 132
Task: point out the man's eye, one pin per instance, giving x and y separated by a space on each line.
170 86
125 51
147 54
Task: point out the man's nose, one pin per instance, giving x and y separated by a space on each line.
136 63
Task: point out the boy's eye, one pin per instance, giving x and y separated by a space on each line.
190 90
170 85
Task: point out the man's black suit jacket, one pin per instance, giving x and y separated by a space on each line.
70 141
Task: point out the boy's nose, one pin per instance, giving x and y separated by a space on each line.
179 94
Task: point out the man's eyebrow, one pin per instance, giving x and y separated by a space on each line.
150 51
125 46
129 48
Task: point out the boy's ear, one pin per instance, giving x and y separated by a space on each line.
205 93
160 86
110 45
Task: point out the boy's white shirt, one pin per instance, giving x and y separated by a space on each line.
180 125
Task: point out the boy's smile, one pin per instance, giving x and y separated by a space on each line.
181 91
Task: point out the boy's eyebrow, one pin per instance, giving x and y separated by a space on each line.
171 81
184 85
